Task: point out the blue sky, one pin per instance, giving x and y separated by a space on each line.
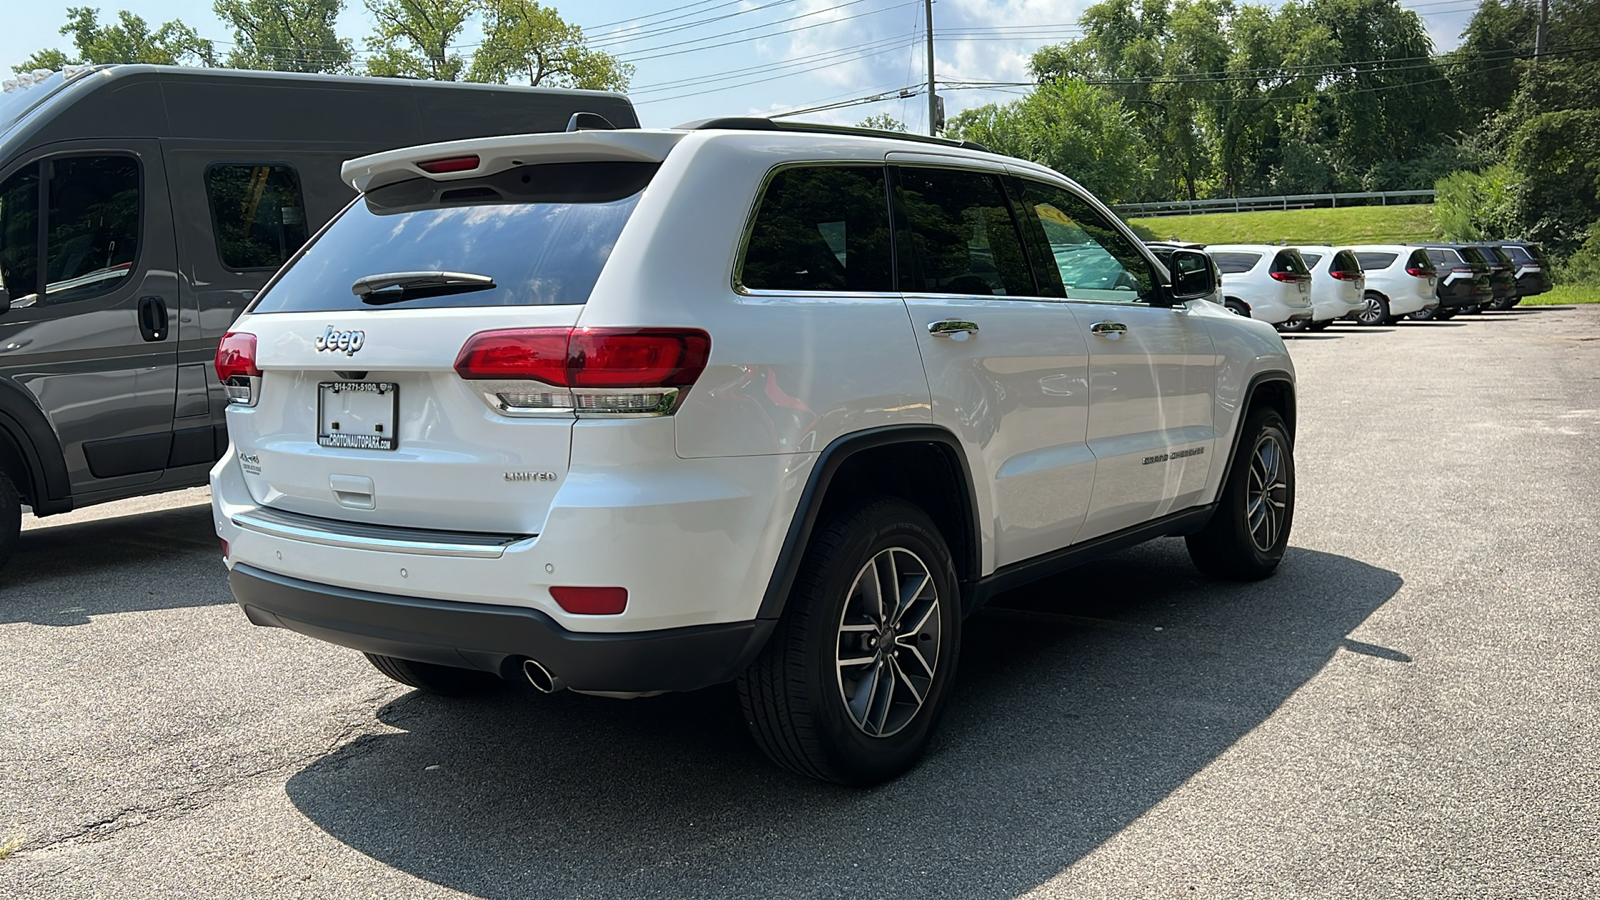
758 56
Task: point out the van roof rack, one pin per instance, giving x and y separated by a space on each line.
754 123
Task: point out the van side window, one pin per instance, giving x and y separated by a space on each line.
19 236
93 237
821 228
1094 259
258 213
960 237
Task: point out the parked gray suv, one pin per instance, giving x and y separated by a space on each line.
141 207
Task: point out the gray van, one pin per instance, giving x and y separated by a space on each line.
141 208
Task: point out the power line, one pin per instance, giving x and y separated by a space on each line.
809 68
760 37
613 39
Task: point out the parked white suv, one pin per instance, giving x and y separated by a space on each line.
1400 280
1337 285
1272 283
639 411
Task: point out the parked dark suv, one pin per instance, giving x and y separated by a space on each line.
1502 275
1532 270
1464 281
141 208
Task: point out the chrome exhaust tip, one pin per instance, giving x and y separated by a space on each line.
540 677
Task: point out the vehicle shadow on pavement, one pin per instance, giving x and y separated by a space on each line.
64 574
1081 702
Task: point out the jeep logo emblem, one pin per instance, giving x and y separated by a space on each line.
334 340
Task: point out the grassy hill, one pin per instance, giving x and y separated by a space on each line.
1346 225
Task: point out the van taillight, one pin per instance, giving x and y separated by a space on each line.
1290 276
587 371
236 367
1419 272
1345 274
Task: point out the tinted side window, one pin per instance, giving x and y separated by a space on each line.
1518 253
258 214
821 228
959 235
1311 259
19 235
1233 263
1376 260
1095 261
93 236
1439 257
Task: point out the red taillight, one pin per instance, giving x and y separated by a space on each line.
633 371
236 355
591 601
1290 276
1344 275
449 164
224 548
1419 272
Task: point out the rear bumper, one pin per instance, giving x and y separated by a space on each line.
496 638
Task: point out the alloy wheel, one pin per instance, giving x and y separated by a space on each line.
1372 313
888 647
1267 494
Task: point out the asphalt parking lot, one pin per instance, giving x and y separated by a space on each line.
1408 708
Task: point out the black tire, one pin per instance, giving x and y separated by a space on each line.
10 518
436 679
1429 315
1442 315
1228 546
794 696
1472 310
1376 311
1319 326
1236 307
1504 303
1295 327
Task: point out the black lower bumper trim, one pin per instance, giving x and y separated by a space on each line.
497 638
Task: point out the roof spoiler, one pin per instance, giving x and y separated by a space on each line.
752 123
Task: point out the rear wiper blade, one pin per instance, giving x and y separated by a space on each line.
393 287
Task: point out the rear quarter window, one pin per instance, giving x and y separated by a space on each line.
1376 260
543 233
821 228
1233 262
1311 258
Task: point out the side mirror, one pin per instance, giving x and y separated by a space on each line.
1192 277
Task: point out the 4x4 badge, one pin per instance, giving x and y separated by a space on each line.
334 340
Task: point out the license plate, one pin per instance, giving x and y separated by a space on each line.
1304 287
357 415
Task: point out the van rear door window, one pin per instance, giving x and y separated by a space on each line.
541 234
258 213
93 237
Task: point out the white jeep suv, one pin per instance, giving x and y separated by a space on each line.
637 411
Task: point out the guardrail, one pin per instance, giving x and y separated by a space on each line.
1256 204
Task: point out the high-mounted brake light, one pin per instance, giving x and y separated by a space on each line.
449 164
589 371
236 367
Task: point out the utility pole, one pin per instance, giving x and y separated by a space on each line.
933 100
1538 34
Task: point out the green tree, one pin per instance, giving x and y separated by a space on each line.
414 38
1485 70
1476 206
1075 128
128 40
524 41
882 122
286 35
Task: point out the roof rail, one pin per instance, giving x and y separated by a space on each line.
753 123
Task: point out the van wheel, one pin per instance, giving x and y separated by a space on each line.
851 684
1504 303
1248 533
10 518
436 679
1237 307
1376 312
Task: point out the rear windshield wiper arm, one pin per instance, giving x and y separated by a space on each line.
393 287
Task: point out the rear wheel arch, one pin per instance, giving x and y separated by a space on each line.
30 452
921 464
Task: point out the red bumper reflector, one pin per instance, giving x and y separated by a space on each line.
591 601
224 548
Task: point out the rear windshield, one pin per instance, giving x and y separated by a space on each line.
1232 263
1419 260
1376 260
1520 254
542 233
1472 256
1344 261
1290 261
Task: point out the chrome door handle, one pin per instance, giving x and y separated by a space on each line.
951 328
1109 329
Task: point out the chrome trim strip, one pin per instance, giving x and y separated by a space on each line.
383 539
